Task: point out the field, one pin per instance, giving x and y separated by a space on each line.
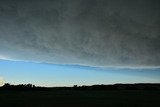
80 98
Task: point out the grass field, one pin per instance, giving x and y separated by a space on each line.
77 98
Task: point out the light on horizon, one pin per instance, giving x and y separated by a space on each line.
1 81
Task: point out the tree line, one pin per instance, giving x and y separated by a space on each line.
140 86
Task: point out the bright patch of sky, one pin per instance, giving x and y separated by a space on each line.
1 81
19 72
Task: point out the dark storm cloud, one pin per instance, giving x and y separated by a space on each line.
88 32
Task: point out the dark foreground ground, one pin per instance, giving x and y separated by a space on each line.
80 98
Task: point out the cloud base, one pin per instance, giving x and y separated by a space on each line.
85 32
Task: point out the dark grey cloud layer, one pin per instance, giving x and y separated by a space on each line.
88 32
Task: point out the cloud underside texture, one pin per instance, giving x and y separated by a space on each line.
85 32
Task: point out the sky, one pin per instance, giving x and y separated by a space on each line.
82 35
52 75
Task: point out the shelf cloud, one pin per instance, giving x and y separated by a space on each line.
86 32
